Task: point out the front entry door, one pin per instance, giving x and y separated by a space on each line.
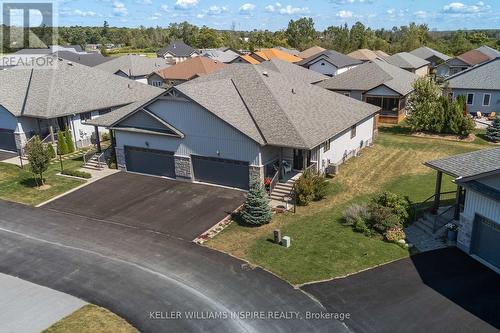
301 159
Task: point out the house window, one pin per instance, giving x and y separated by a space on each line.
486 99
353 131
347 94
156 83
327 146
85 116
322 64
470 99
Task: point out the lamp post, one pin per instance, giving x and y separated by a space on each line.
60 158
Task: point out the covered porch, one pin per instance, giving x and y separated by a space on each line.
392 107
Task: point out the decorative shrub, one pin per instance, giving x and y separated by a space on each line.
62 146
397 205
38 158
394 234
320 187
256 210
310 186
77 173
493 131
69 140
355 213
51 151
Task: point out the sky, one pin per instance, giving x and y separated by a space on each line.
272 15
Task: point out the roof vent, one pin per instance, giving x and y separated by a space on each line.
128 85
70 63
293 91
265 73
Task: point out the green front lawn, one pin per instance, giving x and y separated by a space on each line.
19 185
322 247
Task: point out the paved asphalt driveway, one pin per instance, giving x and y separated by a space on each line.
5 155
134 272
179 209
439 291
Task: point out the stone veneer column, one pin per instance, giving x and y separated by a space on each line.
120 159
183 167
255 171
465 233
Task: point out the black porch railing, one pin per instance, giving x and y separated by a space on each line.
420 208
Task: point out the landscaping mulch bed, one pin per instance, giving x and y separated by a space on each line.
450 137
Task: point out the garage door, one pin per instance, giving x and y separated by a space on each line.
221 171
7 140
486 240
149 161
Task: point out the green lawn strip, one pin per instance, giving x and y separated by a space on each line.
322 248
91 319
18 184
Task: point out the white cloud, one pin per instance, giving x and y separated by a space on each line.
185 4
217 10
82 13
272 8
461 8
290 10
343 2
200 16
164 8
119 9
344 14
144 2
247 8
420 14
155 16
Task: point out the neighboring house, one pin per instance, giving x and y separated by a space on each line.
184 71
378 83
134 67
480 85
466 60
434 57
40 101
268 54
410 63
330 63
477 207
88 59
241 122
222 55
312 51
245 59
367 55
294 71
51 49
289 51
177 51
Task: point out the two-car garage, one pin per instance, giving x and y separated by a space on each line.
7 140
204 169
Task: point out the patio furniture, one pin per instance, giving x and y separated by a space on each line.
479 115
492 116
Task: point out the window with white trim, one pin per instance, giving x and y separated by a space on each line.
327 146
486 99
470 98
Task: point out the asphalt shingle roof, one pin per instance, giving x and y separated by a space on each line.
365 55
425 52
67 89
190 68
272 108
220 55
337 59
87 59
133 65
310 52
490 52
469 165
177 48
292 70
484 76
371 75
406 60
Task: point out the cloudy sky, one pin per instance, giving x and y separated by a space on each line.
266 14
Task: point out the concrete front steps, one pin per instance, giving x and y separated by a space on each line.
284 188
93 163
421 233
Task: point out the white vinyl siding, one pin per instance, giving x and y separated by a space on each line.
476 203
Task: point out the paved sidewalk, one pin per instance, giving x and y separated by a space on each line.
421 240
26 307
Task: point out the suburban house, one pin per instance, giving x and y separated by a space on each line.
477 206
184 71
294 71
379 83
289 51
410 63
434 57
39 101
52 49
330 63
222 55
480 85
313 50
268 54
368 55
134 67
177 51
466 60
262 124
245 59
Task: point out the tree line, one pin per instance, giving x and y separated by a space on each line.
299 34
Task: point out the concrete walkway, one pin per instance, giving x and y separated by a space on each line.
422 240
30 308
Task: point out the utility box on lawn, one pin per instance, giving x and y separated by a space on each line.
286 241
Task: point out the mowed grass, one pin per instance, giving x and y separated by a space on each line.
19 185
91 319
323 248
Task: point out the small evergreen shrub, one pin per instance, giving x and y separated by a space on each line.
256 210
493 131
77 173
69 140
105 136
62 145
320 187
51 151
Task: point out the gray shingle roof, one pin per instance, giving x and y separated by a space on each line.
225 55
288 69
272 108
425 52
483 76
177 48
133 65
289 51
488 51
337 59
67 89
371 75
469 165
87 59
406 60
